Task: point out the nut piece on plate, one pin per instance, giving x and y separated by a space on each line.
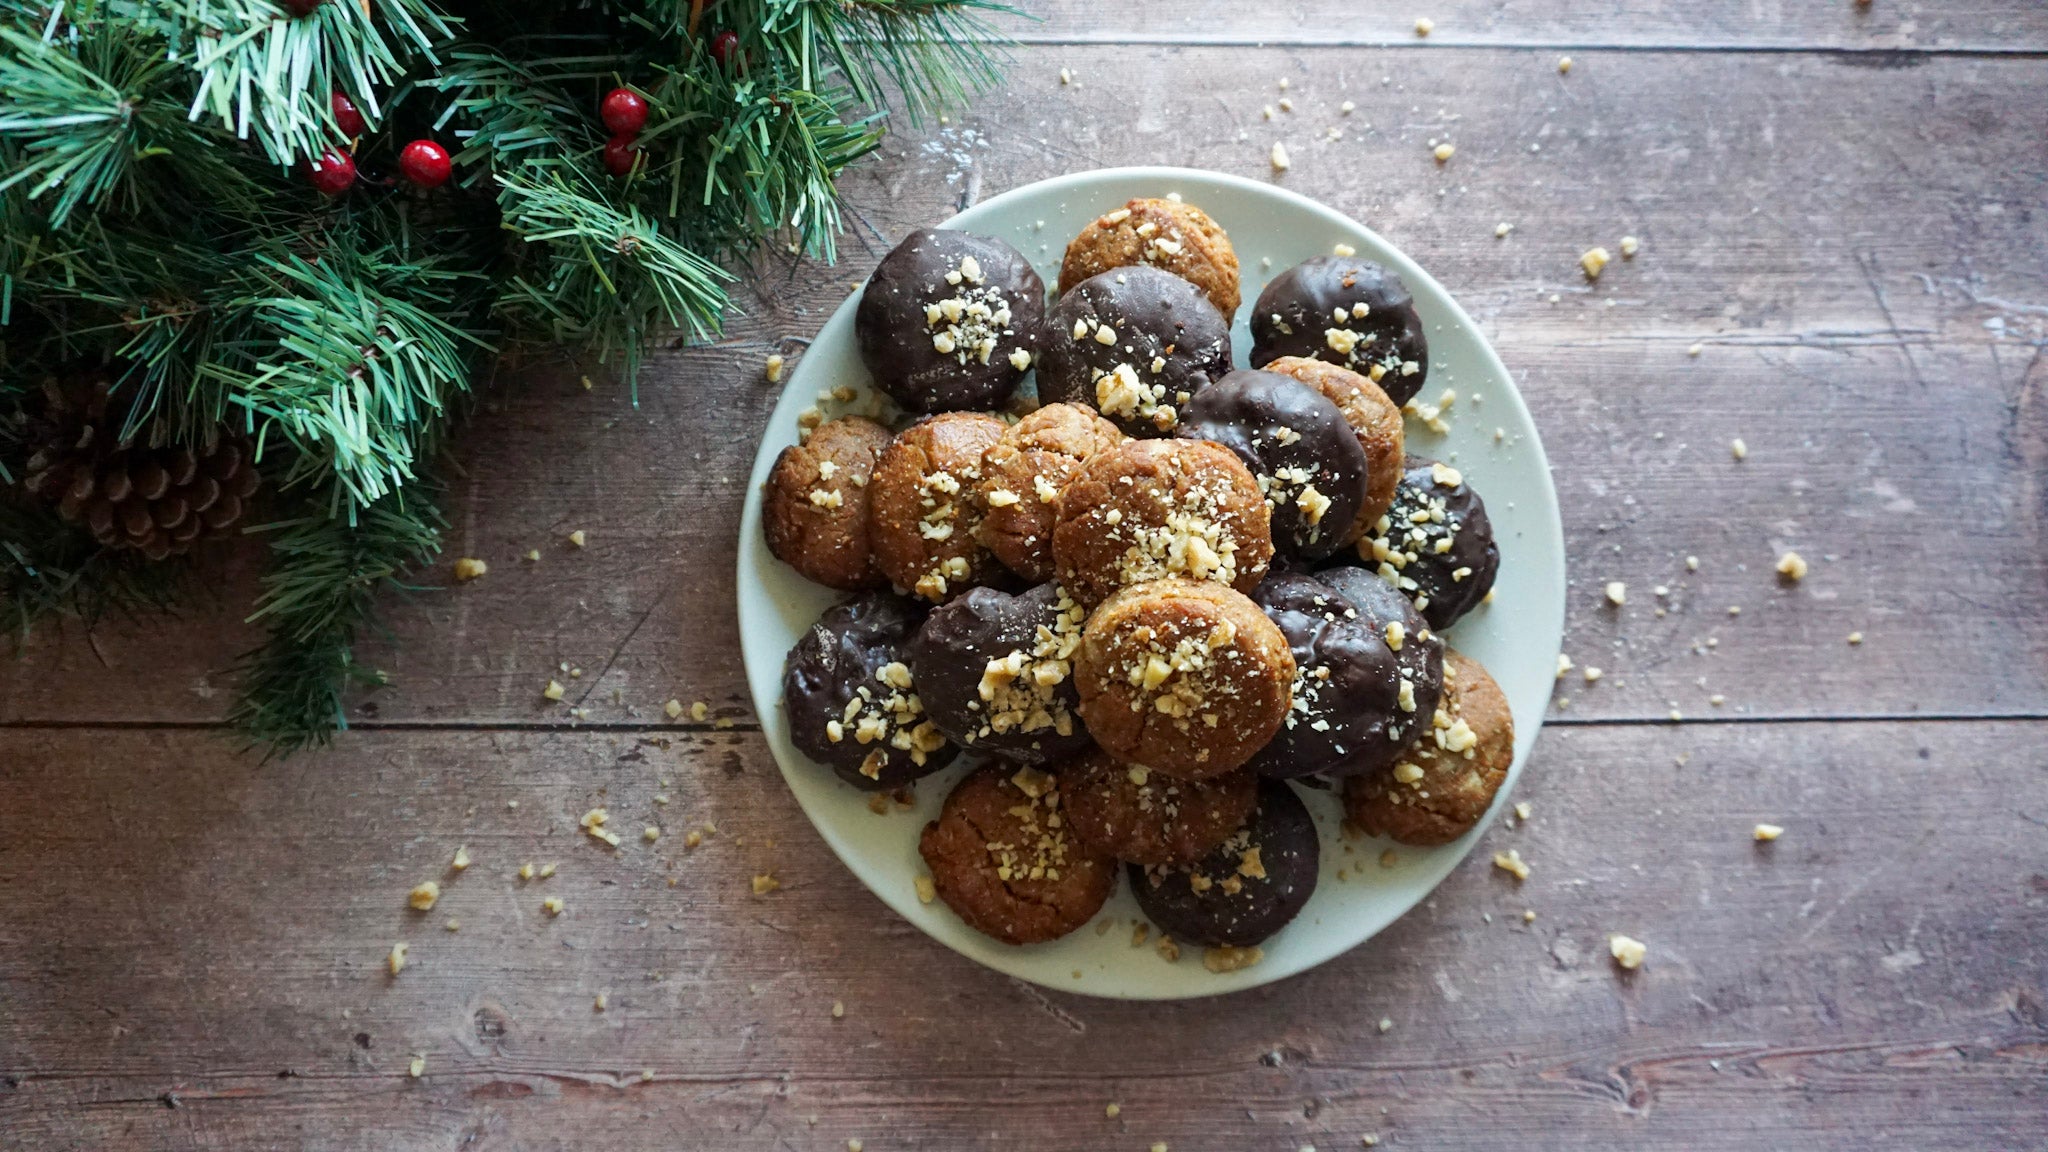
1177 237
1002 859
1444 782
1144 817
1186 677
950 321
1150 509
1136 343
1022 477
1373 416
925 504
815 510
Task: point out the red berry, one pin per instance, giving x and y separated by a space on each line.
724 47
347 116
425 163
620 154
624 112
334 173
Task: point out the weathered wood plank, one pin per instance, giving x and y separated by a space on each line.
1969 25
185 926
1888 426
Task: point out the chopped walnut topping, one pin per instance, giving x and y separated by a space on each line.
1511 862
1627 951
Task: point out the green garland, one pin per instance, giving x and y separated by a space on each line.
158 217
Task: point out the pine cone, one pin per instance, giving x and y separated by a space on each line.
156 500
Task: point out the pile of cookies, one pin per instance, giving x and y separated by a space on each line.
1152 596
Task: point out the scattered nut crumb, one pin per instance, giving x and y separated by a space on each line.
838 1009
526 871
533 555
1696 349
417 1068
1279 157
1528 915
1767 832
1389 858
1227 959
1168 949
469 568
773 368
1627 951
1522 810
692 838
1629 246
1369 1140
1564 63
1386 1024
395 961
1564 665
673 709
854 1145
603 999
461 859
1738 449
650 833
453 925
1501 230
1444 151
766 883
1344 250
578 538
552 905
554 690
1593 261
1347 108
547 870
1792 566
926 890
1424 25
1511 862
1617 593
423 895
1066 76
1855 637
700 711
646 1075
1593 674
1113 1110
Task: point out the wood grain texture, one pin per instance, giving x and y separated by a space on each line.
193 958
1965 25
1858 252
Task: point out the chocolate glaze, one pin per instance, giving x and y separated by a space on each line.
1297 316
1403 550
844 653
1150 311
1023 719
1293 439
900 334
1282 834
1346 716
1420 659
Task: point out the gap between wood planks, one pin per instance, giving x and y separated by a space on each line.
1870 55
651 726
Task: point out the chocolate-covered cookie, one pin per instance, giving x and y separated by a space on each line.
1445 781
1435 543
1002 859
1350 312
950 321
1135 344
851 701
1144 817
1298 445
995 673
1245 890
1418 651
1348 713
1373 416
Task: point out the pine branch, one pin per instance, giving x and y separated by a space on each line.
934 53
318 596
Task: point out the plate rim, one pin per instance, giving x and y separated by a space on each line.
1443 859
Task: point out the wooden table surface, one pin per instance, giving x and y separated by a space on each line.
1843 208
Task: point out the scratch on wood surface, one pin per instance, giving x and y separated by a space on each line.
1868 262
1043 1003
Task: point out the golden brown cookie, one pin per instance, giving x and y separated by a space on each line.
1376 419
815 509
1150 509
1022 477
1186 677
1440 787
924 504
1003 860
1146 817
1167 234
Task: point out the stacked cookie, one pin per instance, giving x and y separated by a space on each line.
1155 597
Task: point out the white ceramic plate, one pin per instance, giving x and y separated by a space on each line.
1517 636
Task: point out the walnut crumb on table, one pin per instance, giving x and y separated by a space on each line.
1279 157
1792 566
552 905
554 690
1617 593
1765 833
766 883
1444 151
469 568
673 709
1511 862
1113 1110
1627 951
1424 25
461 859
1629 247
578 538
1594 261
772 368
417 1068
395 959
423 895
601 1003
1564 64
